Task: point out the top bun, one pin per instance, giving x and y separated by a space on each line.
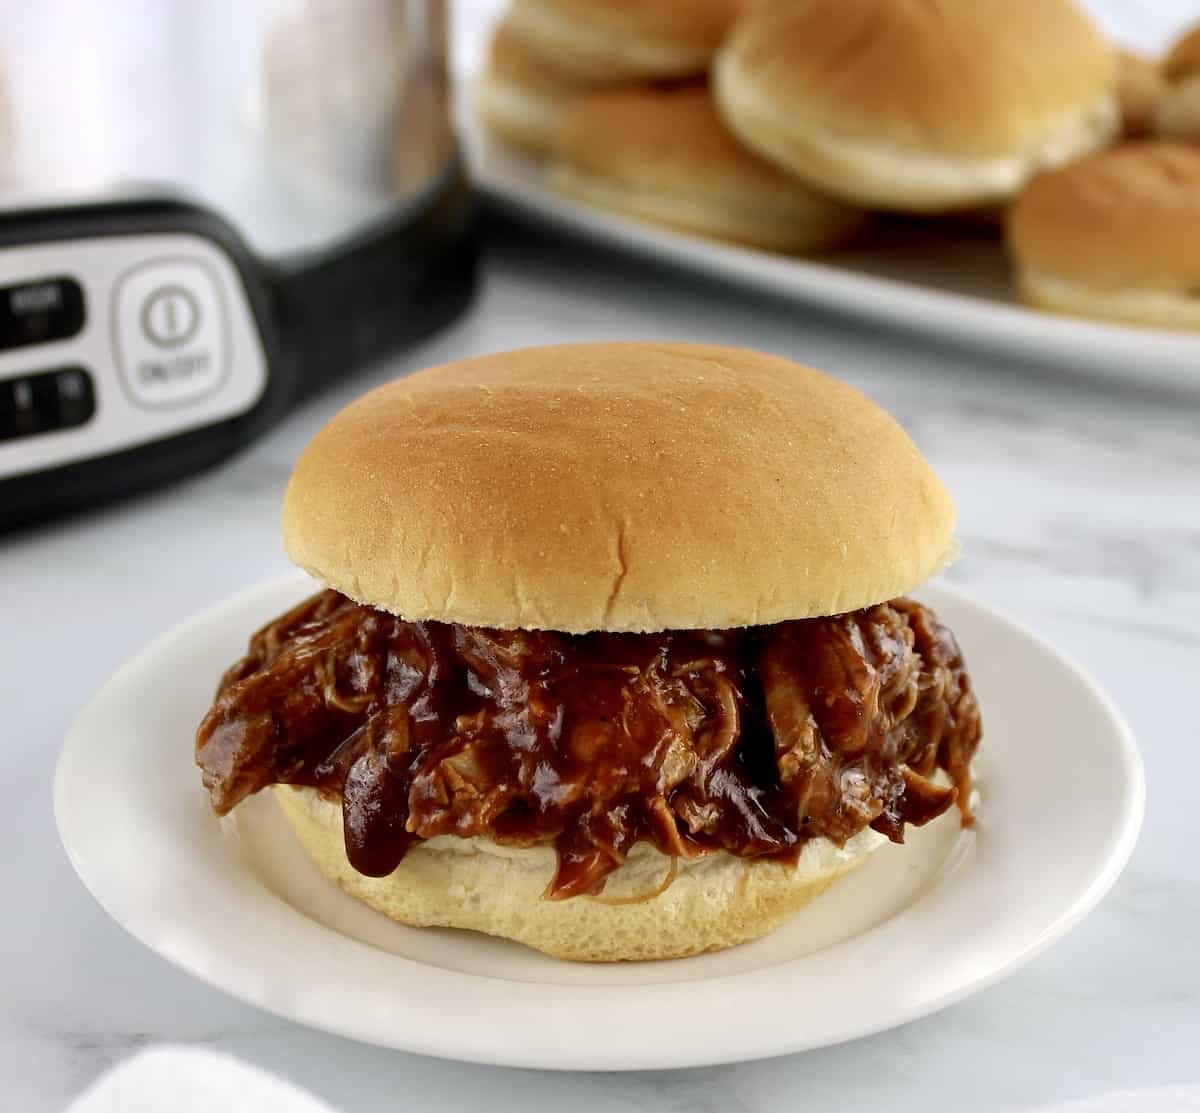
918 105
632 487
1126 217
602 41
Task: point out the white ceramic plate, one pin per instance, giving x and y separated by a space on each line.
955 285
917 927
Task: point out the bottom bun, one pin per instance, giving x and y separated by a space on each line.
1166 309
664 156
786 224
522 116
715 901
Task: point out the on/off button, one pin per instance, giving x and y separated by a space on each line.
170 316
170 332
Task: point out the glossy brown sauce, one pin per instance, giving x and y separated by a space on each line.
750 741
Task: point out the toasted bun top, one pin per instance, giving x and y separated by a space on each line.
621 486
1127 216
666 137
979 79
1184 59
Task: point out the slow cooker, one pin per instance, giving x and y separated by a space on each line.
207 210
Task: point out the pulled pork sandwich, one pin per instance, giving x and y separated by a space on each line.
613 658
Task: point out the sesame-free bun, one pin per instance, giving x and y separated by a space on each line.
715 900
1141 86
1178 113
665 156
616 486
622 40
520 98
1116 235
917 106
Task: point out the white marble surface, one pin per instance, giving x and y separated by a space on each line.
1079 513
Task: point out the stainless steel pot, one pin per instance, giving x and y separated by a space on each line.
209 209
301 121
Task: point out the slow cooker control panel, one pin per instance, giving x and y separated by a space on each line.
111 342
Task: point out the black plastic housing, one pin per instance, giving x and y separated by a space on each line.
318 319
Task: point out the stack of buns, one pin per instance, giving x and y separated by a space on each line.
520 98
615 92
782 124
545 52
663 155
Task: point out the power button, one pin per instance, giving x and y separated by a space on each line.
170 316
170 332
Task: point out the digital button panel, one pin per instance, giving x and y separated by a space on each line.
45 401
169 332
40 311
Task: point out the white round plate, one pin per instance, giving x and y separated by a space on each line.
237 904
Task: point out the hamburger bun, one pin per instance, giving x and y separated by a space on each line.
520 98
920 107
616 486
605 41
1140 89
1115 236
664 156
713 901
1178 114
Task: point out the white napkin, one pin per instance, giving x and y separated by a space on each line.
192 1080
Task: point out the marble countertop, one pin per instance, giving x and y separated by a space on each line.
1079 514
